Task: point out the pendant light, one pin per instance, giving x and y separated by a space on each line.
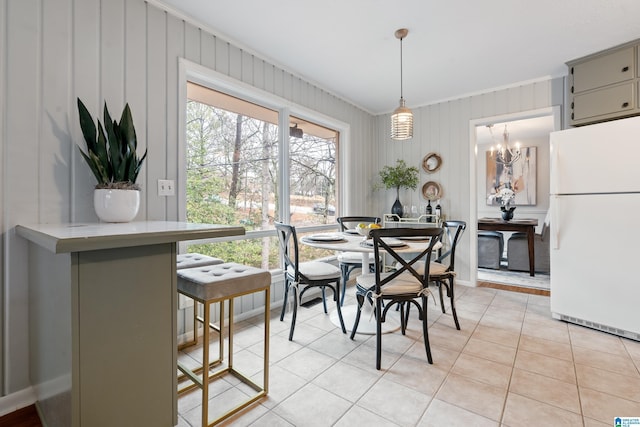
402 117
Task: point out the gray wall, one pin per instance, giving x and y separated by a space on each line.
117 51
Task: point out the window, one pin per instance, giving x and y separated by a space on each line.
312 173
235 160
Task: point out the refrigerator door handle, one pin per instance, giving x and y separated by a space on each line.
553 166
555 221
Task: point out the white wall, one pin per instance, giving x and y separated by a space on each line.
52 51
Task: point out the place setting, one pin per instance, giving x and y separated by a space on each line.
325 237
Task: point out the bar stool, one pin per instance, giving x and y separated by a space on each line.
216 284
192 260
195 260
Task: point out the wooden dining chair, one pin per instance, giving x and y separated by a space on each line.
403 286
299 277
349 261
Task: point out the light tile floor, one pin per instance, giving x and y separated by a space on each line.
510 365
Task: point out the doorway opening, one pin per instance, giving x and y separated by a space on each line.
527 182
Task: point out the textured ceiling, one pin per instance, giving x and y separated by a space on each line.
454 48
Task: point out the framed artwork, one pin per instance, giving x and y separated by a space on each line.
520 175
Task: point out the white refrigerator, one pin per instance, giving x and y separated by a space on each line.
595 226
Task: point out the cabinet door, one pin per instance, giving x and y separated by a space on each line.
604 70
611 101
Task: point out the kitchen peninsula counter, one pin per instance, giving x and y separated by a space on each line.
102 319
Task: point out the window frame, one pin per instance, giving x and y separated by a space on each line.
196 73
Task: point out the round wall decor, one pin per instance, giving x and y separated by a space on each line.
431 162
432 190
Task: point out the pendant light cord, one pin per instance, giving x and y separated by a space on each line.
401 92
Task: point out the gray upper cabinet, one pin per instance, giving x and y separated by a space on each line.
605 85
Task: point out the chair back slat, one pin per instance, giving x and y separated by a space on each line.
289 246
347 222
454 231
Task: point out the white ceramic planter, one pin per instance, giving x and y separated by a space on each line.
116 205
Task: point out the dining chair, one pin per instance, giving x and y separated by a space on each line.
402 286
442 273
349 261
299 277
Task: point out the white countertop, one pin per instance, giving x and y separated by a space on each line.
77 237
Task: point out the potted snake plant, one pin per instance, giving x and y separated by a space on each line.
111 153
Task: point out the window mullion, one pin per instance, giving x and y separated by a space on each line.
284 165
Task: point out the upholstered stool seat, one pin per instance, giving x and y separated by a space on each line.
191 260
195 260
216 284
490 248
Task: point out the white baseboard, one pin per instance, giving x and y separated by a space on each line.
18 400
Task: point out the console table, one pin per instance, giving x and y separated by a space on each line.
522 225
102 320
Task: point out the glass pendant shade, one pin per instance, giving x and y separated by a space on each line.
402 123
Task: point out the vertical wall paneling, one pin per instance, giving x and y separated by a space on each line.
55 136
247 67
208 50
258 75
222 56
269 78
85 75
235 62
278 82
21 147
175 46
111 58
156 109
192 35
135 91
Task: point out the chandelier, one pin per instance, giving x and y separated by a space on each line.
503 153
402 117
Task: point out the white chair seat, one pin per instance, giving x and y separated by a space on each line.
316 270
406 283
353 257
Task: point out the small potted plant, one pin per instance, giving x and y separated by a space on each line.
112 157
399 176
506 195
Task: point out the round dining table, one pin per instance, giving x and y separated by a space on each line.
351 241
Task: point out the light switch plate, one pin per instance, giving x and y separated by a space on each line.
166 187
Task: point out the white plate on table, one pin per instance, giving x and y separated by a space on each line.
393 243
325 237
